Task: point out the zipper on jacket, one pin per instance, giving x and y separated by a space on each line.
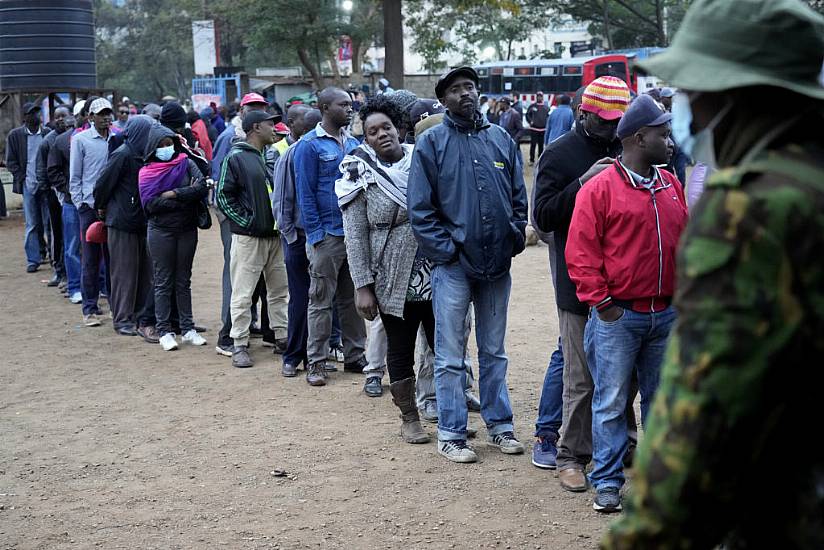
660 249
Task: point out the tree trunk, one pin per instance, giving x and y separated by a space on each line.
607 30
333 61
314 70
660 16
393 42
356 57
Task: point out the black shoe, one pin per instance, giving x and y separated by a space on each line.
126 331
356 366
288 370
316 374
255 331
373 387
279 346
198 328
330 367
31 268
54 281
472 402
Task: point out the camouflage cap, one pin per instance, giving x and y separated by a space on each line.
725 44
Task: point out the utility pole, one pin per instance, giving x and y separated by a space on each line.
393 42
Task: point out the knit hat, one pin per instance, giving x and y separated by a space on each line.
172 115
607 97
403 99
643 112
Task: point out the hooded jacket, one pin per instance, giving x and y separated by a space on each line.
243 192
177 215
116 188
556 186
466 197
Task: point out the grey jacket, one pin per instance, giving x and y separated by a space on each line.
380 247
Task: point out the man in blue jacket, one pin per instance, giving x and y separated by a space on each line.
317 157
468 208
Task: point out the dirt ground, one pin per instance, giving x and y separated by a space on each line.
110 442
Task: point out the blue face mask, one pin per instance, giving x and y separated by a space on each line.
165 153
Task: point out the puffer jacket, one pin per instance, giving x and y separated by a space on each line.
466 196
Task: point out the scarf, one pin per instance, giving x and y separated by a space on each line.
158 177
362 167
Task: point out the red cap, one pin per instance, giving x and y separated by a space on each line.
96 233
281 128
252 98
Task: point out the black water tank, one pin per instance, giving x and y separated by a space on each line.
47 45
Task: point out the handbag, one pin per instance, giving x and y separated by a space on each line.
204 219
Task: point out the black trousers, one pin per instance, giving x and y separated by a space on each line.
56 223
535 138
401 335
172 256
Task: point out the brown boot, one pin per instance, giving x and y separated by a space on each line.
403 395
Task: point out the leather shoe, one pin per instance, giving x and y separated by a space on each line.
149 333
373 387
54 281
573 479
288 370
473 404
126 331
356 366
316 375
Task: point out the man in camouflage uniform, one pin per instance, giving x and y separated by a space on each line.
732 454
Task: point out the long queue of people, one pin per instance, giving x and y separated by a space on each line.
410 232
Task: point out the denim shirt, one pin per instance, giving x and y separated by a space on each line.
317 158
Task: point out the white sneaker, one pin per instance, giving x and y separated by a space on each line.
168 341
76 298
193 338
91 320
457 451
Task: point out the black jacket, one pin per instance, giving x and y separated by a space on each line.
243 192
116 191
466 197
563 162
43 183
57 164
179 214
536 116
17 155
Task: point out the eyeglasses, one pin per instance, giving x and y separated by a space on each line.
123 112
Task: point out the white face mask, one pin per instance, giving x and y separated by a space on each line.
165 153
700 146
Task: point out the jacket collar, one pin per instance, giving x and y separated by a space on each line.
461 124
658 185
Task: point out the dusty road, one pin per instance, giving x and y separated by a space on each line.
109 442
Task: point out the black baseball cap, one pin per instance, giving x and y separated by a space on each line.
255 117
30 107
449 76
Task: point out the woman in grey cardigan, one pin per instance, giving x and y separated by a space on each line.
390 276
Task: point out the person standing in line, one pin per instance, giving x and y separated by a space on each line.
390 277
743 373
87 159
122 117
621 256
57 168
22 144
560 120
536 116
130 268
45 187
172 188
467 206
511 121
566 165
300 119
243 195
317 159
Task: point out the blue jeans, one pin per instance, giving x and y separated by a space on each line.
636 341
297 276
94 259
550 406
452 291
36 210
71 247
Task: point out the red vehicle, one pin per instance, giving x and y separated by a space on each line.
551 76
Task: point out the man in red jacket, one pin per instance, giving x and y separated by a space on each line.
621 256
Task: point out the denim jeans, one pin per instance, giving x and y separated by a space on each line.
550 406
71 247
636 341
452 291
36 211
95 259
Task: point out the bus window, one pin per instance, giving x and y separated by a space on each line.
494 84
617 69
569 83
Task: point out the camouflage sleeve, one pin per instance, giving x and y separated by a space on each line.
738 309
